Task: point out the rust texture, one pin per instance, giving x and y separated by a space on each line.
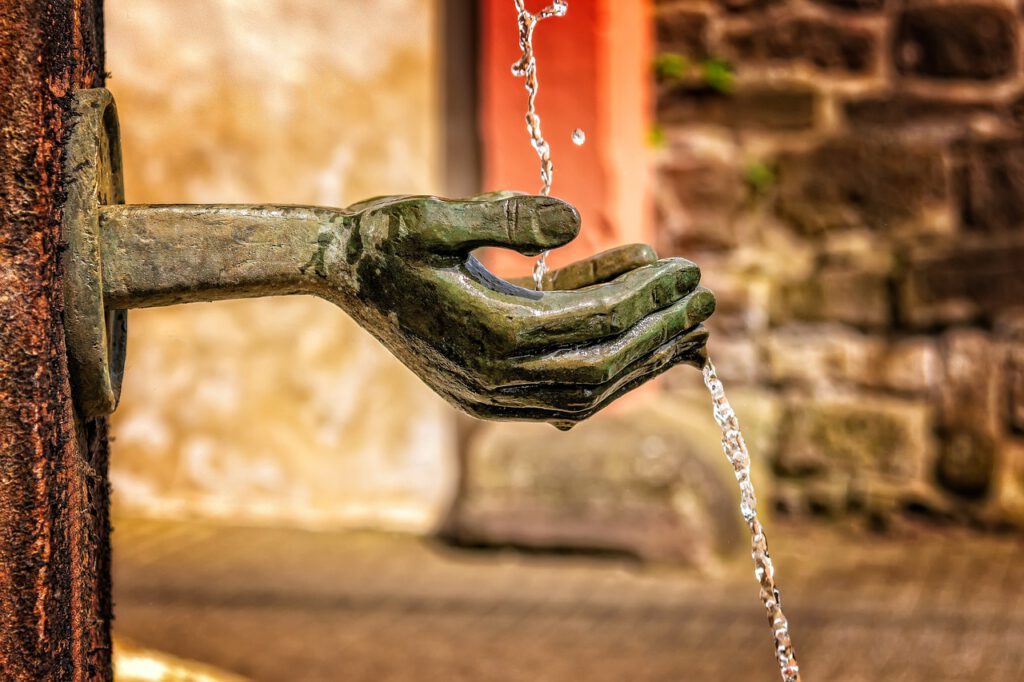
54 526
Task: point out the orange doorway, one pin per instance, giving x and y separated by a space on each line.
593 66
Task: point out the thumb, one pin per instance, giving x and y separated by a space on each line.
528 224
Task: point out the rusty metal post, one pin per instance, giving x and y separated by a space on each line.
54 527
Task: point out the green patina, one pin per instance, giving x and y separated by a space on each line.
407 274
317 262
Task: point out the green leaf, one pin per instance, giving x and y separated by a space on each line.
670 66
759 176
718 74
656 136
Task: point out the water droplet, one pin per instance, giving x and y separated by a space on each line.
578 137
557 9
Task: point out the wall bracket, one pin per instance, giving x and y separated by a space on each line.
96 338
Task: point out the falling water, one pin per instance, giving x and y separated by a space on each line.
732 440
736 451
526 68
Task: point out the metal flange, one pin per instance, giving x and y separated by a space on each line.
96 338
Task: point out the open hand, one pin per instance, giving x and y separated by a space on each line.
499 350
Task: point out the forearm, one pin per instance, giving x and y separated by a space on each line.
162 255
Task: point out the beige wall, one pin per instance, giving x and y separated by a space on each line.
277 410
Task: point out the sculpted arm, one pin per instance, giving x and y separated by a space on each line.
403 268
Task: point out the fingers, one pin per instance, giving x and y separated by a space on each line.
528 224
690 349
566 405
600 363
582 317
602 267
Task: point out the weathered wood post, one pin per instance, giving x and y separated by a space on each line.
55 607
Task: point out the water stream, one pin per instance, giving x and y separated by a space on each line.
733 445
526 68
735 449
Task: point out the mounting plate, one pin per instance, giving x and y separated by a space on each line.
96 339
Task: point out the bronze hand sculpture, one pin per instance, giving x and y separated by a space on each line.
403 268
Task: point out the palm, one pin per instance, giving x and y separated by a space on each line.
498 350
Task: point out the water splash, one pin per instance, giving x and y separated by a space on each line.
735 449
579 137
526 68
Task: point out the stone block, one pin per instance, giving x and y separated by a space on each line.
970 42
966 464
1015 386
1009 325
902 115
742 290
823 354
1015 110
682 31
860 438
989 181
857 249
698 196
858 297
651 481
833 47
855 182
970 282
827 497
1007 498
778 107
972 388
738 359
738 6
971 395
854 5
912 365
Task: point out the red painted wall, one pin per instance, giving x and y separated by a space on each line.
593 66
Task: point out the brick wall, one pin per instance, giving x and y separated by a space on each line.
850 176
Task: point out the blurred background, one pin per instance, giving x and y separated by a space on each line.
291 503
